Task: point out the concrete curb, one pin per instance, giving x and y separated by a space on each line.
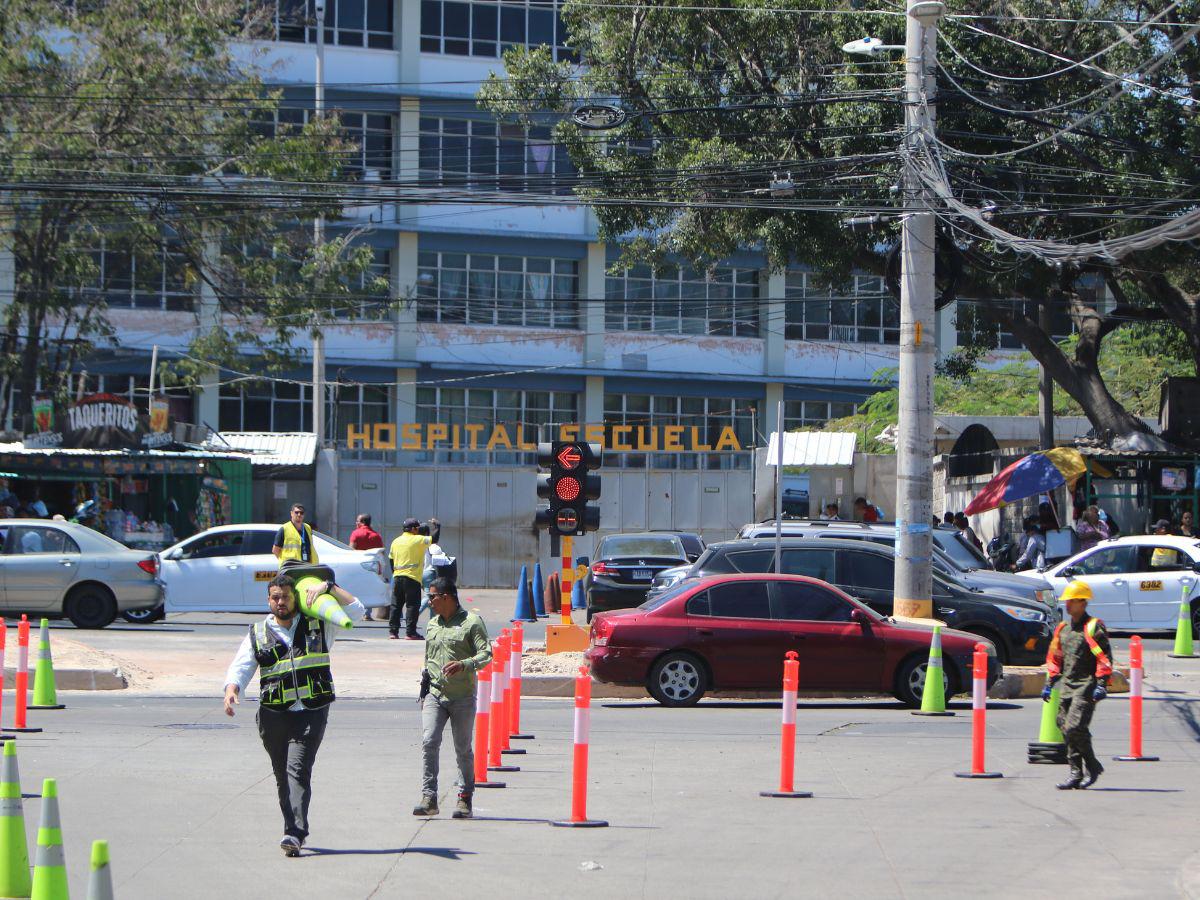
1017 683
104 679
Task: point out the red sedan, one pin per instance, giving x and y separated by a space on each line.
731 632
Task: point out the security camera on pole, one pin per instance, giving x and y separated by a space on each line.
914 444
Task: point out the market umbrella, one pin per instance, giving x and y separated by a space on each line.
1029 476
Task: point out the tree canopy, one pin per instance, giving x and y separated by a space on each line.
1061 121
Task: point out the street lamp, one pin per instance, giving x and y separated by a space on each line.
913 586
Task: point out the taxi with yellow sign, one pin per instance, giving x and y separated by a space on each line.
1137 581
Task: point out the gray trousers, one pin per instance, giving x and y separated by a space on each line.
435 713
291 740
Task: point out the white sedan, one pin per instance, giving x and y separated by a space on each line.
1137 582
226 569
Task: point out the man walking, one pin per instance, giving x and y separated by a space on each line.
291 652
456 647
364 537
294 539
1080 656
408 556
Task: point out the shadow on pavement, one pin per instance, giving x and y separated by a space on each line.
803 705
441 852
1185 711
1136 790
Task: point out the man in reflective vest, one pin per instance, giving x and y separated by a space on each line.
291 653
294 539
1080 657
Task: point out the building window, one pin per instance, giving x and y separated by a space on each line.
370 157
682 300
350 23
975 326
865 313
483 153
529 415
489 29
709 415
266 406
372 291
798 414
147 276
487 289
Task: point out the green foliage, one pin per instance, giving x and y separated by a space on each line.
149 94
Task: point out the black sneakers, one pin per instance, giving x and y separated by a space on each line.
1094 771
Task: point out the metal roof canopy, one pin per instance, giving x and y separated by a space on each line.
269 448
813 448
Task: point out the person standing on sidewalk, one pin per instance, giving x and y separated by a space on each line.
408 557
291 653
456 647
364 537
294 539
1080 657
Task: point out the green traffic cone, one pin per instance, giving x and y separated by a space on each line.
100 883
1051 747
14 849
50 866
44 694
1183 631
325 607
933 698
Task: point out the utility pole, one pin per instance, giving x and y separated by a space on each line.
913 587
318 339
1045 387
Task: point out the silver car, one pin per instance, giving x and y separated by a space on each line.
52 568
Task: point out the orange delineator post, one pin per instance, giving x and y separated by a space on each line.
583 727
787 740
499 711
510 702
978 717
483 705
568 577
22 682
1135 705
516 648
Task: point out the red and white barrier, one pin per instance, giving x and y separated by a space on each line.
510 701
499 711
787 741
22 682
483 709
1135 705
979 717
516 650
583 727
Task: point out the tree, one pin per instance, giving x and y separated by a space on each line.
130 125
719 99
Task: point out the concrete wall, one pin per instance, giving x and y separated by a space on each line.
873 476
487 512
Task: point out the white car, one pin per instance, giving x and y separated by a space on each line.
226 569
1137 582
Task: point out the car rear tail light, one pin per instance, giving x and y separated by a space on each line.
601 632
603 569
149 566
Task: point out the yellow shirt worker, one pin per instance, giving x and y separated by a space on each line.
408 556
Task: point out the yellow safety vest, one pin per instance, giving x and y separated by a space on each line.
292 544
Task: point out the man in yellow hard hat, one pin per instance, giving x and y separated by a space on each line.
1081 658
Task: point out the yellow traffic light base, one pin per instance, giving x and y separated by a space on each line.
566 638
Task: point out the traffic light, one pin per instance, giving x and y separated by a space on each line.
568 486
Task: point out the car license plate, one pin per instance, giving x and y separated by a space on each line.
641 574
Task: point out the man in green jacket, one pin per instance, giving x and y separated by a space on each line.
456 647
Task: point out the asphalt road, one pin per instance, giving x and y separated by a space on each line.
185 797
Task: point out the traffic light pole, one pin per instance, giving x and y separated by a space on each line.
913 587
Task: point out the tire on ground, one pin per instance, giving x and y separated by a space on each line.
144 616
677 679
90 606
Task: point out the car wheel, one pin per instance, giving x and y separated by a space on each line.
910 681
678 679
1002 654
90 606
144 616
1195 619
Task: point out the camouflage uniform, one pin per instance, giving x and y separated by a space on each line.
1081 667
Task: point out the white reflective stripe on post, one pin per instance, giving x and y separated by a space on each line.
514 666
1135 682
979 694
23 658
497 689
789 707
482 696
583 724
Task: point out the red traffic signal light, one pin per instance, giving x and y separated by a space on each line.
567 488
569 457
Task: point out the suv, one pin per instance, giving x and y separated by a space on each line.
953 558
1020 629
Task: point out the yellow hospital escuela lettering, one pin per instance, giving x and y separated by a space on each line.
523 437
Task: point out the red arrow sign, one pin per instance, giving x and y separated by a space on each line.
569 457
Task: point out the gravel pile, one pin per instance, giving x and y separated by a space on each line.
536 662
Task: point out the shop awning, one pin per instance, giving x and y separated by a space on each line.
813 448
52 461
268 448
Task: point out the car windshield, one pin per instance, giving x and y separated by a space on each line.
967 557
641 545
659 599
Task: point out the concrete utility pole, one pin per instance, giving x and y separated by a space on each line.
318 339
1045 387
913 589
